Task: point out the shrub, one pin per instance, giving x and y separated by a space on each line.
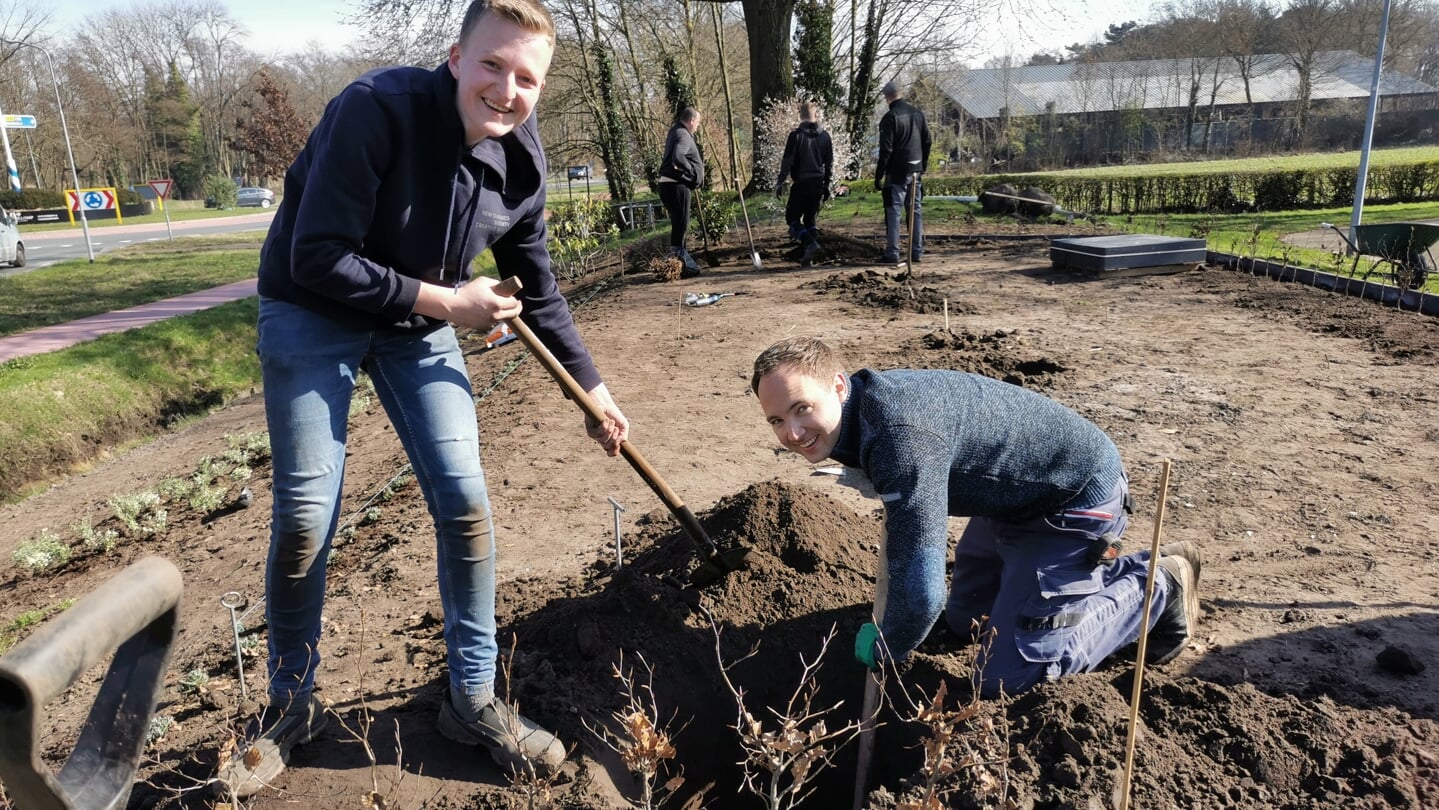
27 199
579 231
221 190
41 553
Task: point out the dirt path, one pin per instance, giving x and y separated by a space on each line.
1302 430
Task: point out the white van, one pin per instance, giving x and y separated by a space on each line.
12 250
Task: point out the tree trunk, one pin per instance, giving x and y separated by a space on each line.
767 22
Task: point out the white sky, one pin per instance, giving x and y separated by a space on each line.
284 26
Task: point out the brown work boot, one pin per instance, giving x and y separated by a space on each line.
1172 631
261 755
516 743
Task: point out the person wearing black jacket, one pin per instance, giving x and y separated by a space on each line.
809 159
409 175
681 171
903 155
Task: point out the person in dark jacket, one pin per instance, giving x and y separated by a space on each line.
682 170
408 176
903 155
809 159
1047 500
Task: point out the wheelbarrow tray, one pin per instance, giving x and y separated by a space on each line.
1396 241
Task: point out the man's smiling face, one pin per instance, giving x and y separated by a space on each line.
803 411
500 69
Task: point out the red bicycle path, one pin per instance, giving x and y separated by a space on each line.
63 335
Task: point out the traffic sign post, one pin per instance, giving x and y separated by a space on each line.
91 199
10 169
162 193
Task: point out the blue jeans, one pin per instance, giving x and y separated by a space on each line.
309 364
1052 611
894 213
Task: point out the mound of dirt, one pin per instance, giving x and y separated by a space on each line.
1003 354
809 572
871 288
1060 745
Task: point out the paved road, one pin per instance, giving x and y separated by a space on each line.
45 248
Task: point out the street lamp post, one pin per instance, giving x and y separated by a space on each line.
74 174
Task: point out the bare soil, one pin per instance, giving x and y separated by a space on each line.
1302 430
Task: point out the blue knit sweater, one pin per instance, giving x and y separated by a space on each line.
941 444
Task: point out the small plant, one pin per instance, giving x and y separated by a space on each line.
42 553
10 633
959 742
139 513
641 737
781 761
193 681
160 725
102 541
362 396
371 516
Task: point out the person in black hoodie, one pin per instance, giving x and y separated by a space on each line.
681 171
809 159
903 154
408 176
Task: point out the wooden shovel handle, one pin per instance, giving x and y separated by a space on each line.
572 388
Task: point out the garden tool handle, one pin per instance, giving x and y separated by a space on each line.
574 391
136 615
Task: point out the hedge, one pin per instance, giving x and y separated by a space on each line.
1217 192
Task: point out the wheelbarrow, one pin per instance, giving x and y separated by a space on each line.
136 615
1404 247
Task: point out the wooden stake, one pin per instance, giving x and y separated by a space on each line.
946 316
1123 802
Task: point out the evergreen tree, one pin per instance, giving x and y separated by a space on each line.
814 74
175 131
614 148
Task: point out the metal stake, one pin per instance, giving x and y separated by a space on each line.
619 551
233 600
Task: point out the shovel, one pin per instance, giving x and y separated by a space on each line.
136 614
753 254
714 564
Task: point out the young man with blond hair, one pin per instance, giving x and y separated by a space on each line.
408 176
1045 494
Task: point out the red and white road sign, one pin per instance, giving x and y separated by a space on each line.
94 199
161 187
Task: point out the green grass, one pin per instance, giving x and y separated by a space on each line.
1317 161
137 275
180 211
16 629
1258 234
63 405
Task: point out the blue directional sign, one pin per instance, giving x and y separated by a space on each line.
19 121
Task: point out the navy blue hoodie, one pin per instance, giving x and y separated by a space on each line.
385 195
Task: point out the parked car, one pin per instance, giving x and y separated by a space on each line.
12 250
254 198
579 172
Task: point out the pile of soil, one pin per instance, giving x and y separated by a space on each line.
1060 745
1003 354
872 288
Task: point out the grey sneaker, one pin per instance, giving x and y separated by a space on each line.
1177 624
515 742
261 755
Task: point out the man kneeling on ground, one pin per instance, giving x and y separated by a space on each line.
1047 500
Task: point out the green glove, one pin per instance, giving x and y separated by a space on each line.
866 646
